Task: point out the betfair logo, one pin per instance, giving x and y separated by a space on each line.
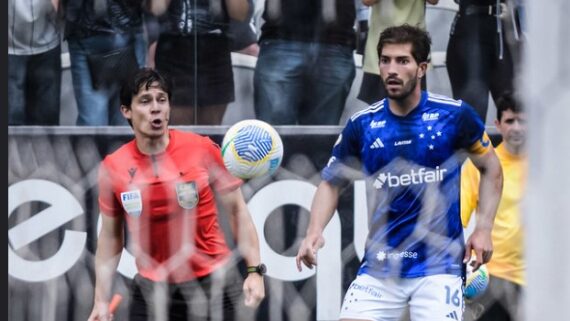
414 177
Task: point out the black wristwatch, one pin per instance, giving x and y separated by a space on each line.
259 269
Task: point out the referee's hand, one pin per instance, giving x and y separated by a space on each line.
308 251
254 290
100 312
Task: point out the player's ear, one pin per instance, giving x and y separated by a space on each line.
422 69
126 111
497 123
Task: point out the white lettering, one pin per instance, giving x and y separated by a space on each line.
403 142
366 289
377 124
414 177
383 255
430 116
63 208
331 160
405 179
282 267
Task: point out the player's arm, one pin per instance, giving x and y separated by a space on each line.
490 189
247 243
322 210
469 191
109 248
336 173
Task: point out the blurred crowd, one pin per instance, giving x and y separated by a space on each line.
305 66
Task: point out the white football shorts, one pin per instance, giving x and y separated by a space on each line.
431 298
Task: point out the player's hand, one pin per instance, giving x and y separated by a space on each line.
308 251
481 242
253 289
100 312
369 3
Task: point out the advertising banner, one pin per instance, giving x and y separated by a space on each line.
53 221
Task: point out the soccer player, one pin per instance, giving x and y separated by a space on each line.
163 185
410 148
500 301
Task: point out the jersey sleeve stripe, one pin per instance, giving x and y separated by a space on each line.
443 100
372 109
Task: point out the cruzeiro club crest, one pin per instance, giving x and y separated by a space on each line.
187 195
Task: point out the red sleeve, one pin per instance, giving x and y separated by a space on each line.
108 203
221 179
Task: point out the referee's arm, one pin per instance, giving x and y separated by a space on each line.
109 247
247 242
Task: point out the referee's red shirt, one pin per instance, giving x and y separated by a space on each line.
168 202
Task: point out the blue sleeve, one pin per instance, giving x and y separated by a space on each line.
346 151
470 127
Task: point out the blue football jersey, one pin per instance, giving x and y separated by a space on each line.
412 169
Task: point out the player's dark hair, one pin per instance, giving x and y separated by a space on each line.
420 40
507 101
143 78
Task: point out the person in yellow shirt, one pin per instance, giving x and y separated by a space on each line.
507 265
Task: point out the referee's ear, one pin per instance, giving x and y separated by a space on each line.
126 111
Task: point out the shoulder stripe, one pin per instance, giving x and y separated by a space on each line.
443 99
371 109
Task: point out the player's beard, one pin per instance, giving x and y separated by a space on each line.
406 91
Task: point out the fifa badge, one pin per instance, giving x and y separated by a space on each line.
132 202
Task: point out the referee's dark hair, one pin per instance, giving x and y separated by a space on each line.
507 101
420 40
144 77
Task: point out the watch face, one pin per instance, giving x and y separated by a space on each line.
262 268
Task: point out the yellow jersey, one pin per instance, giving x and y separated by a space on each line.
508 231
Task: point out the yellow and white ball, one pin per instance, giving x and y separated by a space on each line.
252 148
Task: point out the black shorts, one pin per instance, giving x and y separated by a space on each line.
201 74
210 298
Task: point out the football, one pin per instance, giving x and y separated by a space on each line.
252 148
476 282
